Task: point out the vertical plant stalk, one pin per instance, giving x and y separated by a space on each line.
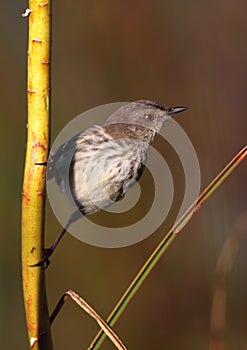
223 272
33 194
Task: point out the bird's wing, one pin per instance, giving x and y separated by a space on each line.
60 162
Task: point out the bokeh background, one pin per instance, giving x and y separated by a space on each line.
177 53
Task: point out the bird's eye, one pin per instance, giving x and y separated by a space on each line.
149 117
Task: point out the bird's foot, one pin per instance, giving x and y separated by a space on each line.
45 260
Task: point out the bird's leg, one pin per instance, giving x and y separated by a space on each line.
49 251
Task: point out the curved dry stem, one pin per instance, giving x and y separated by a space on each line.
89 310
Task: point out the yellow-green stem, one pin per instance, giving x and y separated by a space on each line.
33 193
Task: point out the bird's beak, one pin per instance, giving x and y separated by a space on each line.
173 110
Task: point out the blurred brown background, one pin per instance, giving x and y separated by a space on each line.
177 53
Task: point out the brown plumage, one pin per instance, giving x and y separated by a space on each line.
105 161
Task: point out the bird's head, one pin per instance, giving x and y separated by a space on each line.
143 114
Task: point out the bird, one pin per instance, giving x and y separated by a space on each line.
99 165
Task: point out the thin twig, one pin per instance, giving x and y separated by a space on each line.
165 243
